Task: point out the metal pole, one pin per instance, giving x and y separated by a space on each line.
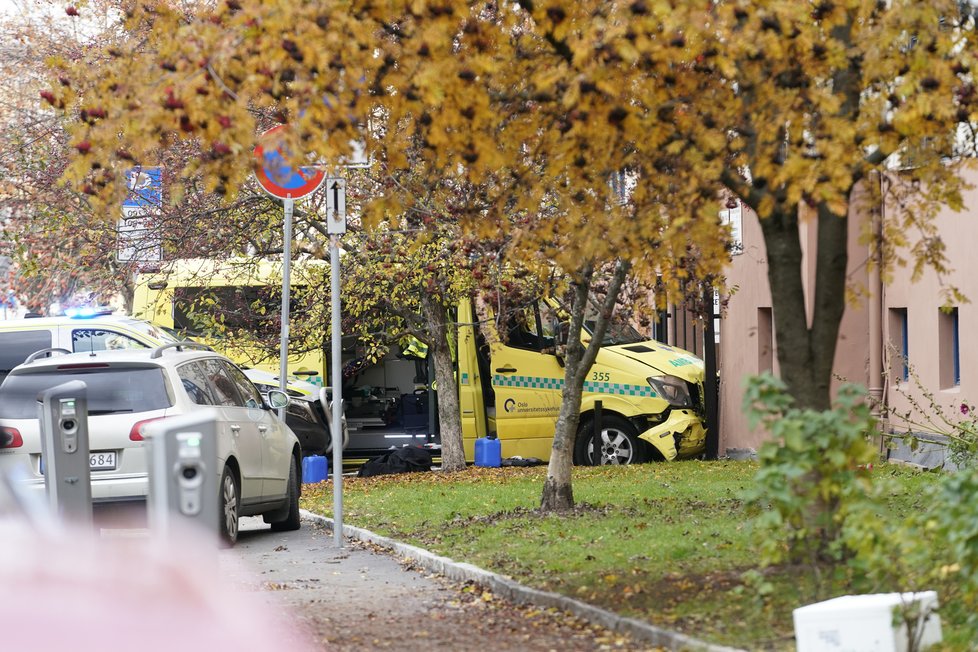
336 382
597 439
710 401
283 365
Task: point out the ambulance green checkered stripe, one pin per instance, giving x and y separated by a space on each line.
534 382
618 388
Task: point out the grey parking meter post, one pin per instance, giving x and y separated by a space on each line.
183 493
63 416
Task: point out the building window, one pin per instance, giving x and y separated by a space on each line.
765 340
949 356
899 344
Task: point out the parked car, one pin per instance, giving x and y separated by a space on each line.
100 330
306 414
259 457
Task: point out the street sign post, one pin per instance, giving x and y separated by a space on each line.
335 205
136 239
280 180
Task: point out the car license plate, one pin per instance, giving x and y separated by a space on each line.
97 461
101 461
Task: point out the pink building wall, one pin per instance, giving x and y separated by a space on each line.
929 340
747 335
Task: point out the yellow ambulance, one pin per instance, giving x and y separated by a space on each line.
237 294
648 397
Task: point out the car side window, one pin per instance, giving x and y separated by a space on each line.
526 330
193 376
222 387
247 389
99 339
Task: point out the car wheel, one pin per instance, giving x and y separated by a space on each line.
618 443
291 521
230 503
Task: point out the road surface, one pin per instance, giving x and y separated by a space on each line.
359 598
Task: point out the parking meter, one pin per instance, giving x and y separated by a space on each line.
183 481
63 417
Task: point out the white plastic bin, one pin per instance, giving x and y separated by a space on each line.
864 623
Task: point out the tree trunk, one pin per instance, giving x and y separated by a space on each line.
806 355
558 492
449 410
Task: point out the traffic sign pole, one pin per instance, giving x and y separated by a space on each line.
336 381
286 301
279 180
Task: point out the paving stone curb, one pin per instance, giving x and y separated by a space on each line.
516 592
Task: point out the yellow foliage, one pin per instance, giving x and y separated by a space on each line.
782 101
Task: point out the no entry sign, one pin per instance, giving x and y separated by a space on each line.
277 177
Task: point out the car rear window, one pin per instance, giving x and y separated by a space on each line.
15 347
109 391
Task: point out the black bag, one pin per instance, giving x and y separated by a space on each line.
407 459
414 411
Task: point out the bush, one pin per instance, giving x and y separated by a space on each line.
813 474
957 427
934 548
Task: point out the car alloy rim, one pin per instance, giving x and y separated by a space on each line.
230 507
614 445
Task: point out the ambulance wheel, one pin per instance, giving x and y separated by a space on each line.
618 443
230 503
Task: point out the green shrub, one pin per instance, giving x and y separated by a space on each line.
814 471
956 425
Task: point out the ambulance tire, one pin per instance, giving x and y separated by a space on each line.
618 444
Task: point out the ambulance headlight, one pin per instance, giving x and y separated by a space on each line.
673 389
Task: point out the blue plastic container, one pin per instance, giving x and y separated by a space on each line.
488 452
314 469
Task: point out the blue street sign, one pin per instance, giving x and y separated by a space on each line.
145 186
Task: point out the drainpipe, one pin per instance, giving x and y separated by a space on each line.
875 383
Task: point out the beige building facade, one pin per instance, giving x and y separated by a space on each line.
895 339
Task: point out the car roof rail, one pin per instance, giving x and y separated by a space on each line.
179 346
45 353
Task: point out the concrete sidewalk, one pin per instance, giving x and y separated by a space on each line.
376 593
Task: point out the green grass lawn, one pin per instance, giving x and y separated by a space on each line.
666 543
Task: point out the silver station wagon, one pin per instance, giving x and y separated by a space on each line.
259 463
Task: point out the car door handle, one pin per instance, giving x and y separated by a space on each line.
235 428
506 370
263 429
